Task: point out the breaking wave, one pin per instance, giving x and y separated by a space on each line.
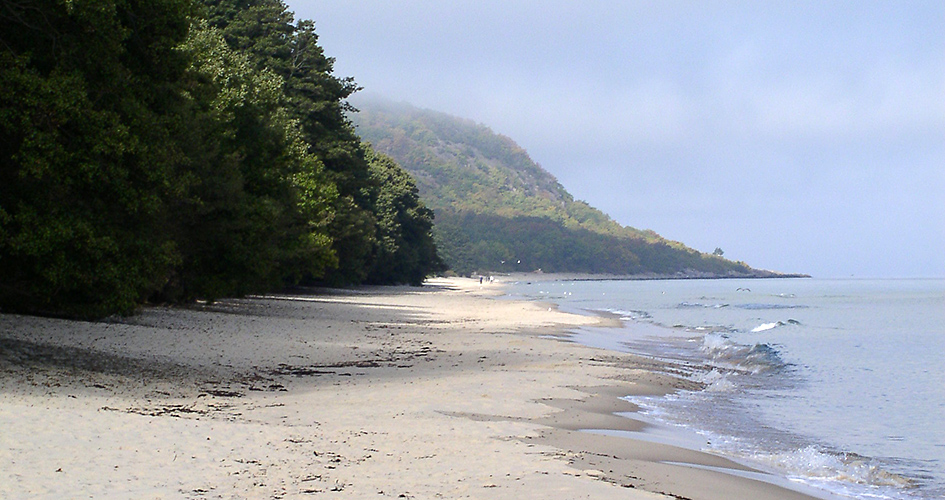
715 381
631 315
770 326
835 470
757 358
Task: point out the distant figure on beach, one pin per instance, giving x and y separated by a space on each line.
480 280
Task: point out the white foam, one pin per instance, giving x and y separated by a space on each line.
755 358
716 381
765 327
845 472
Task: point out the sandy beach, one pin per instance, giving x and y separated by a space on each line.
442 391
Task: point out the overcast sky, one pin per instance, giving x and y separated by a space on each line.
797 136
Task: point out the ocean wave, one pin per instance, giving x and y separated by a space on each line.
631 315
756 358
812 464
771 326
765 327
755 306
715 381
700 305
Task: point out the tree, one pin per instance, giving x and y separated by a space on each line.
255 212
264 31
140 158
405 251
146 154
87 90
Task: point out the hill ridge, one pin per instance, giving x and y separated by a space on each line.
497 210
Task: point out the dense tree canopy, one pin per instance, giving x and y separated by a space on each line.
405 252
256 209
264 30
87 92
167 150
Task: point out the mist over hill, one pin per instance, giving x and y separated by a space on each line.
499 211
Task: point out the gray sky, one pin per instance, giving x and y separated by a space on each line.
797 136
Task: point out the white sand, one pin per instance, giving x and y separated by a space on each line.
389 392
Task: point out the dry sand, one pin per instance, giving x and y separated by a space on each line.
432 392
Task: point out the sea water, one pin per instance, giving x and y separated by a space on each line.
836 384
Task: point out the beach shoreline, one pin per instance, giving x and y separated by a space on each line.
432 392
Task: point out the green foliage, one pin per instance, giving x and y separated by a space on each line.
255 212
263 30
465 167
405 251
146 154
359 229
492 243
84 88
499 211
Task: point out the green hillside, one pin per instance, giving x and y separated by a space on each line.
498 211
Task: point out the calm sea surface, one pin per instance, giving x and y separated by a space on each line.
836 384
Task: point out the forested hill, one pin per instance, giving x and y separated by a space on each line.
497 210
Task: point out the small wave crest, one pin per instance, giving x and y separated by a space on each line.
700 305
765 327
812 463
762 307
757 358
715 381
632 315
771 326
